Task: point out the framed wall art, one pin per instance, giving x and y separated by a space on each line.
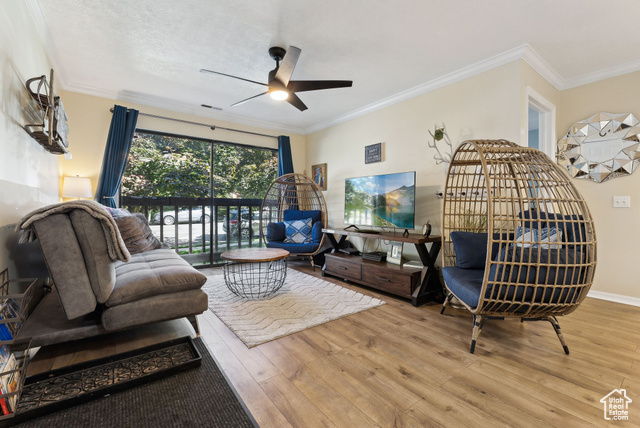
319 175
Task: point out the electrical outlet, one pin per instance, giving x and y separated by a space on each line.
621 201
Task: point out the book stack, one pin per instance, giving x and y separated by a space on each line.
9 320
9 380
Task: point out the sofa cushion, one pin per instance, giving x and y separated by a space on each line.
297 231
137 234
290 215
295 248
275 232
153 273
154 309
100 268
66 265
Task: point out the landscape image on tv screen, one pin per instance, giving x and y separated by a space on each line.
381 200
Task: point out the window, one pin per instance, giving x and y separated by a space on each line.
163 165
191 191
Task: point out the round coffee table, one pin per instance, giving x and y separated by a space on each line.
255 272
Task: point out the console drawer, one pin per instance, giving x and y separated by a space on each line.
343 268
386 280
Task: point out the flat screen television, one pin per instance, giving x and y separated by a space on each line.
381 200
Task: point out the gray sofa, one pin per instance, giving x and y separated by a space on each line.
94 295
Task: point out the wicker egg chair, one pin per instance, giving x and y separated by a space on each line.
518 238
291 197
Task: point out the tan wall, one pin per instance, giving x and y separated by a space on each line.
483 106
90 118
617 233
28 173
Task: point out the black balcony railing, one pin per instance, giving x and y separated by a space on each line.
200 229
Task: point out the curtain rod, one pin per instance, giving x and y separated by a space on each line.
213 127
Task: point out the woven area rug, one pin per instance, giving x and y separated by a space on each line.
199 397
303 301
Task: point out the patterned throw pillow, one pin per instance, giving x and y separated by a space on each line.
298 231
117 212
547 237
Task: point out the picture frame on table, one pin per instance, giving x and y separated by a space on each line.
319 175
394 253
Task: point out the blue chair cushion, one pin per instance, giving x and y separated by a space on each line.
465 284
471 248
573 232
297 231
316 232
537 218
290 215
275 231
295 248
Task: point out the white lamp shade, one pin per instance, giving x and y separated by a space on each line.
76 187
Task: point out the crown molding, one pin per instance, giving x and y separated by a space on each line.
440 82
531 57
607 73
180 107
47 42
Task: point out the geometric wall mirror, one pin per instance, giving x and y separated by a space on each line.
602 147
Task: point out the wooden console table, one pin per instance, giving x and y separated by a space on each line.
429 287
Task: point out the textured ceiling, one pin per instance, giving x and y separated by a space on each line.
152 50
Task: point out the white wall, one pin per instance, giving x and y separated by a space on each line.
28 174
490 105
616 228
486 106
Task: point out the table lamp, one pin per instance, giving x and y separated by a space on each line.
76 187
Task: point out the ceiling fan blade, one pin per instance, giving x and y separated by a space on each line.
248 99
314 85
296 102
203 70
287 65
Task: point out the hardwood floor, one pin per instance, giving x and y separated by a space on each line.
397 365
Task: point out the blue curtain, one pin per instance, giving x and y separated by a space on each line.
285 163
123 125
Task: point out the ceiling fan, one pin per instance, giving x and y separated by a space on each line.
279 85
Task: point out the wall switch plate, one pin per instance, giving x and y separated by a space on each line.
621 201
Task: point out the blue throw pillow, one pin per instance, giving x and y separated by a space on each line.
298 231
290 215
275 232
316 232
471 249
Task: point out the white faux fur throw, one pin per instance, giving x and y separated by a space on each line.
115 245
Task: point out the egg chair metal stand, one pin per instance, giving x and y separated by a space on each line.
293 197
518 238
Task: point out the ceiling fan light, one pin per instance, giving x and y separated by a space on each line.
279 94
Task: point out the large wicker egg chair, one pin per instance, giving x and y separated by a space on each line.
291 199
518 238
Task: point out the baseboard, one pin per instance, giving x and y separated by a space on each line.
618 298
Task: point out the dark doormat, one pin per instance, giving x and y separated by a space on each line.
198 397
